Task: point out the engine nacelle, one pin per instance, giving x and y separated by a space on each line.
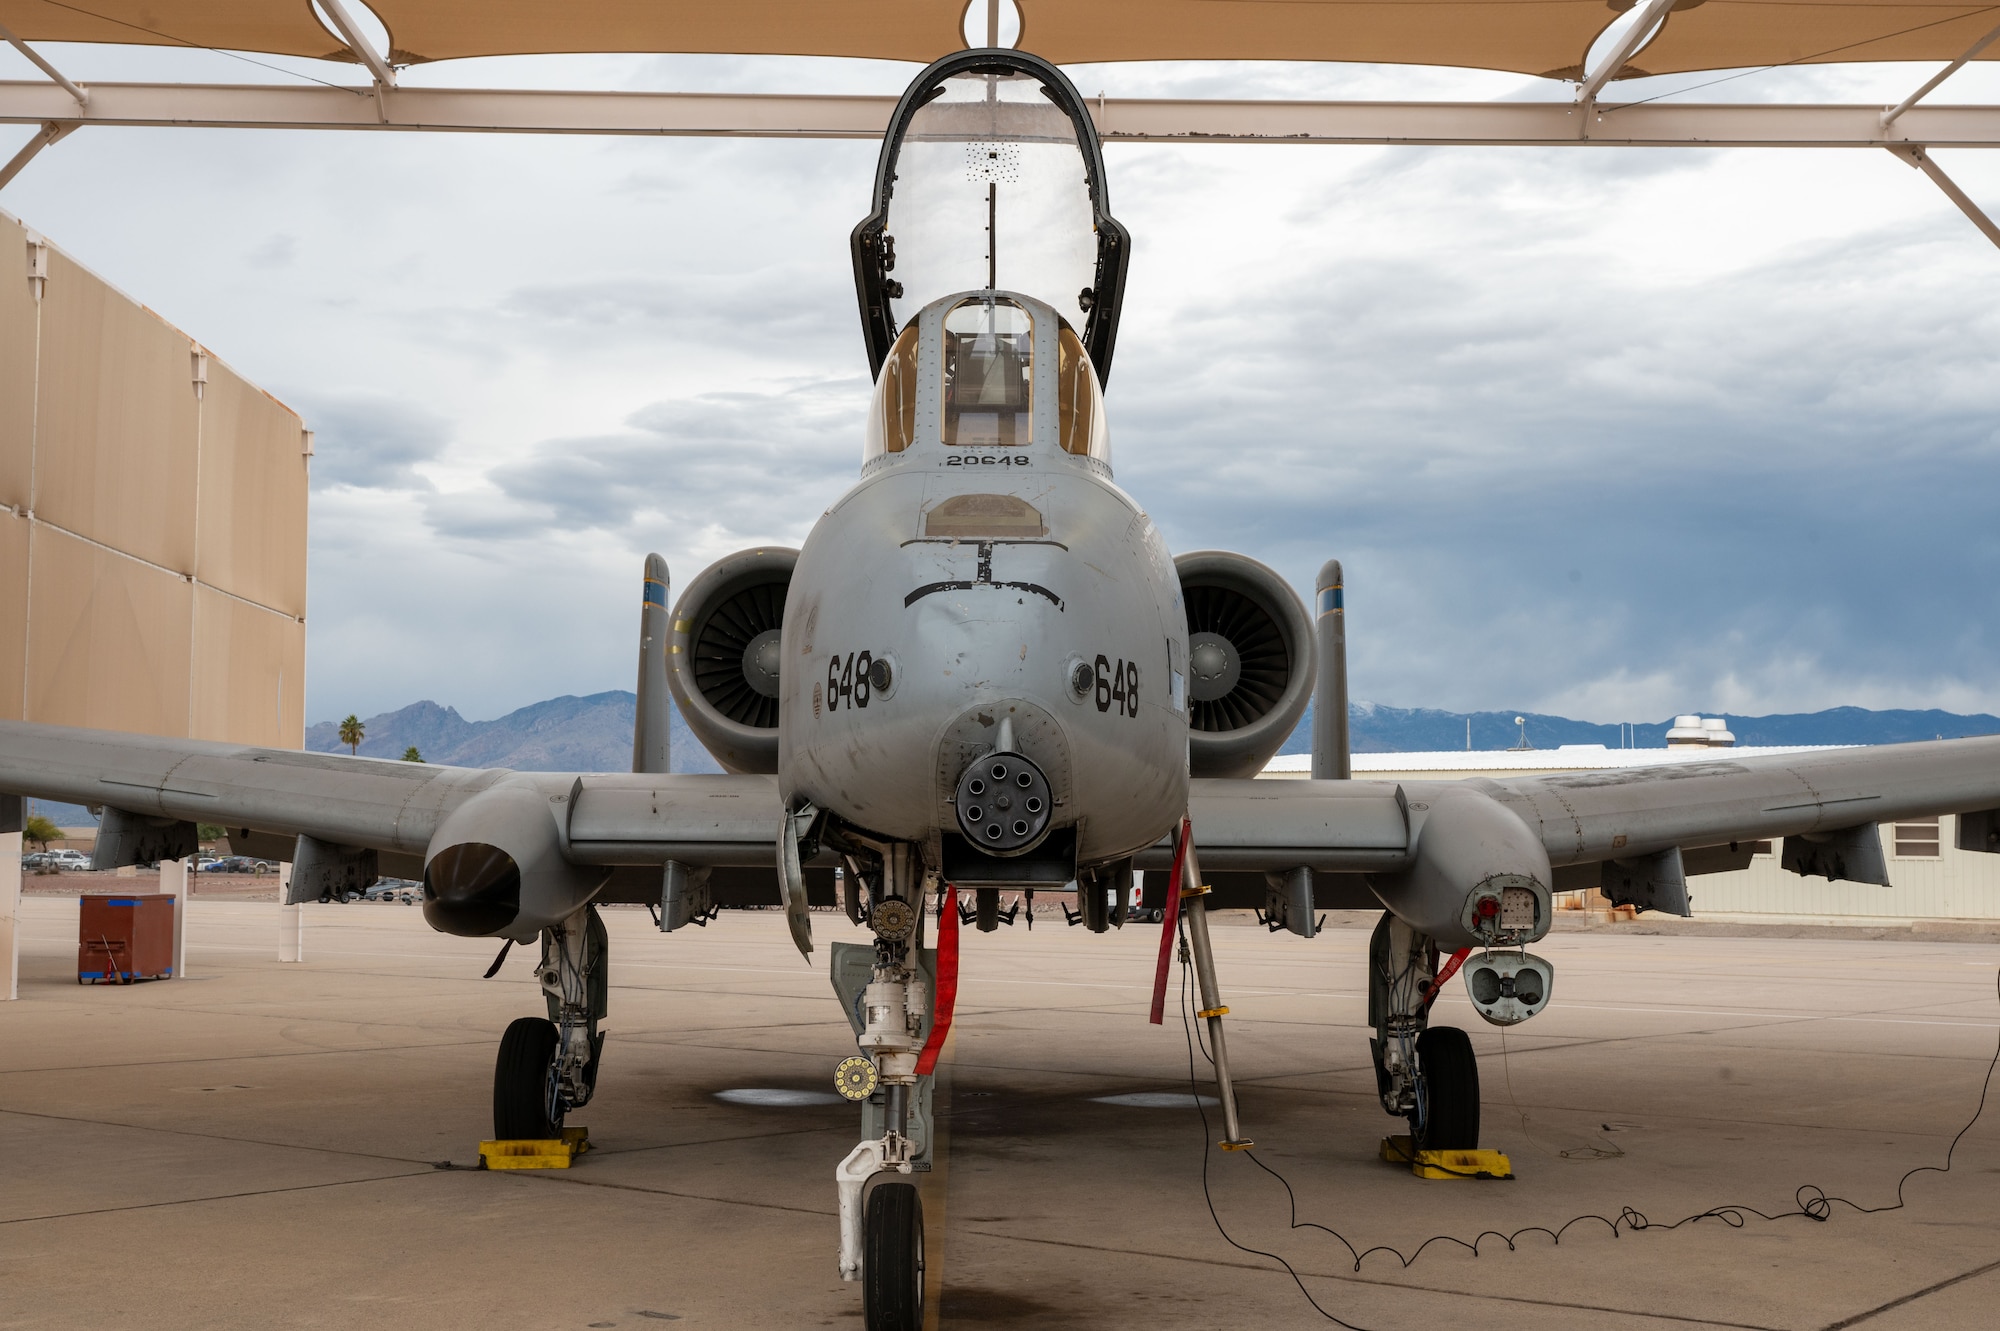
1250 662
724 656
496 868
1480 876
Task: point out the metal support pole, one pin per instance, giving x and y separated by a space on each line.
10 914
1921 160
1642 28
82 95
291 921
1890 116
350 33
1212 1010
1330 751
174 880
48 134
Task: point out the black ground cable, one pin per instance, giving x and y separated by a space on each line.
1813 1201
1187 1028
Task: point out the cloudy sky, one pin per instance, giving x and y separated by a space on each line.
1609 433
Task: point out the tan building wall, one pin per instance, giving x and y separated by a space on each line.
152 520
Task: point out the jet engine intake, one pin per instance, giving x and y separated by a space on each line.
724 656
1250 662
496 868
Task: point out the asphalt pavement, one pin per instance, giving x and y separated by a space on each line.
266 1144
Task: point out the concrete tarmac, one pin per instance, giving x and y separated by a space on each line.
260 1144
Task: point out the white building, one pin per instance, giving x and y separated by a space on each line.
1932 879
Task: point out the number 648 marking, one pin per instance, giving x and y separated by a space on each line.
1118 685
848 682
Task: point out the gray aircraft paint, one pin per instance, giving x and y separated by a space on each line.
981 629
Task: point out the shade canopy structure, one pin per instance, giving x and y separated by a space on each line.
1542 37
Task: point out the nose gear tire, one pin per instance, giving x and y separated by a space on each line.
1447 1092
892 1259
521 1082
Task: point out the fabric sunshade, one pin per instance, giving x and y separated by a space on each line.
1547 37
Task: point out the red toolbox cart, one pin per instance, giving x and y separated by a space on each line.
122 939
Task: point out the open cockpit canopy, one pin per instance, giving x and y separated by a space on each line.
990 177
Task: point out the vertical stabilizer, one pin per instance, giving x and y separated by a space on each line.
1330 751
650 721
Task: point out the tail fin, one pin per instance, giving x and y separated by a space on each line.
650 724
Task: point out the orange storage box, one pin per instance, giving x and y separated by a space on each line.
125 938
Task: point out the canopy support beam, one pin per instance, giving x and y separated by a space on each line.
82 95
1921 160
1890 116
48 134
1659 124
1593 83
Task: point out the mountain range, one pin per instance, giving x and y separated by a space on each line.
594 733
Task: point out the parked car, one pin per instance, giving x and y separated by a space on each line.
69 859
231 864
35 859
393 889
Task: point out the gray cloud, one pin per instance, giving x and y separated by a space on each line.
739 466
370 441
1611 432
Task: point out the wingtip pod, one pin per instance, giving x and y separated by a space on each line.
1479 876
496 866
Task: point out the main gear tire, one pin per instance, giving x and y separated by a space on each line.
521 1082
892 1259
1447 1117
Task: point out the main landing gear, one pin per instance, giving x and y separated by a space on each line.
1424 1073
548 1066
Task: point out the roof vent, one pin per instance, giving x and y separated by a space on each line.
1695 732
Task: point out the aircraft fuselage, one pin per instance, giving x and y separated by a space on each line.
996 579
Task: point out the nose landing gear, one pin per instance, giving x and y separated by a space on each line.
887 990
892 1259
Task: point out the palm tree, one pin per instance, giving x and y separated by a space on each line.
40 830
410 755
352 733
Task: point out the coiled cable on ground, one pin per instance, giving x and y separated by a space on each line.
1811 1201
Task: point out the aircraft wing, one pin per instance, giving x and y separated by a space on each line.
1638 832
393 807
1624 813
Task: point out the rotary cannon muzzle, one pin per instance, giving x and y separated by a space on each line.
1003 803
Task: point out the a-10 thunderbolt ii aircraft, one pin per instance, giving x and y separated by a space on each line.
985 671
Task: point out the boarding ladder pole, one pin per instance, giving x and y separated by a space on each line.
1187 896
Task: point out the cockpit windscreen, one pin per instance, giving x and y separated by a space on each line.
990 192
989 374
